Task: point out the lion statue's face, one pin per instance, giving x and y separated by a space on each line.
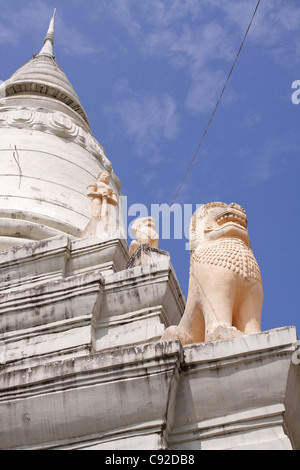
143 228
216 220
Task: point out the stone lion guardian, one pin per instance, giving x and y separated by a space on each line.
225 293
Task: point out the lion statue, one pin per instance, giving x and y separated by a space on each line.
143 229
225 293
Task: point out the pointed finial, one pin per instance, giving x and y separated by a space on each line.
47 49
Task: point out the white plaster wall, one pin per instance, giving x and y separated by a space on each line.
49 178
48 158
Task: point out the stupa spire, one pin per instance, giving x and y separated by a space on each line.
47 49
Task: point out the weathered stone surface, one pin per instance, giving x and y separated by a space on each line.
107 252
60 257
121 397
50 319
146 255
234 393
139 303
61 296
64 304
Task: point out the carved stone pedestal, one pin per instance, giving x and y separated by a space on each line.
239 393
146 255
82 365
117 399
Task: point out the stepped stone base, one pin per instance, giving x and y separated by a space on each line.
82 365
239 393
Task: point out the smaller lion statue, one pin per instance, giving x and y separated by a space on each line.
143 229
225 293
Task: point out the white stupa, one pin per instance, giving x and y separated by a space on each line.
48 154
82 360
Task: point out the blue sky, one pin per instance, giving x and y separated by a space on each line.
149 73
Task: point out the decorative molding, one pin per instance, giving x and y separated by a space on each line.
131 398
59 257
97 385
252 420
55 123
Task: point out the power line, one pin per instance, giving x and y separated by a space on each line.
218 102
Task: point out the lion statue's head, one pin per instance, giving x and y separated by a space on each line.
143 229
217 220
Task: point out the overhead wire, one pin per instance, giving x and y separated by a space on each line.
218 102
